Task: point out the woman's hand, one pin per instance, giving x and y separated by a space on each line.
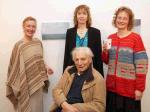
138 95
105 47
48 70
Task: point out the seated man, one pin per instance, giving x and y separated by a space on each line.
81 88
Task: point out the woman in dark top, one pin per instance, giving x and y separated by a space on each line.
83 35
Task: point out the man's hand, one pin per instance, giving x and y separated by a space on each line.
68 107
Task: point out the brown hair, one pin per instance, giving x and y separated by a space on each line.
129 12
87 9
29 18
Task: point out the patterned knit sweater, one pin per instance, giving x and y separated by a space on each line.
127 65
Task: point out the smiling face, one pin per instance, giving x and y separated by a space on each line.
122 20
82 16
82 61
29 28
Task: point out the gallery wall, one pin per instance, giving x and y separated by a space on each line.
12 12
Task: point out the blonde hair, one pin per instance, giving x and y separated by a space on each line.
87 9
130 14
29 18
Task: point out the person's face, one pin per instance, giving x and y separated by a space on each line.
82 62
29 28
82 16
122 20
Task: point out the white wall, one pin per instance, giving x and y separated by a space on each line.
12 12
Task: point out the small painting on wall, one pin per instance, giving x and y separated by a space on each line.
137 26
54 30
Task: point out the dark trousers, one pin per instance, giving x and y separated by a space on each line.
58 109
118 103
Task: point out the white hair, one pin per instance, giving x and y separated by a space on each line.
84 50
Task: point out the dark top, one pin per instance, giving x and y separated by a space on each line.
94 43
74 94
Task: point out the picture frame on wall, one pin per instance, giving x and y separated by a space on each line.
137 26
54 30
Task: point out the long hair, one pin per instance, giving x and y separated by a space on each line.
87 9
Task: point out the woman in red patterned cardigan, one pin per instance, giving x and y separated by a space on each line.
127 65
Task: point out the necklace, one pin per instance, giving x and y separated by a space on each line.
82 32
80 42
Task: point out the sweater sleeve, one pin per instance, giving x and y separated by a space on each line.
141 64
105 57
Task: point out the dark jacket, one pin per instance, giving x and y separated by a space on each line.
94 43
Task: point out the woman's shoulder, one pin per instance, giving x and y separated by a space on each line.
135 34
94 29
71 29
112 35
18 43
